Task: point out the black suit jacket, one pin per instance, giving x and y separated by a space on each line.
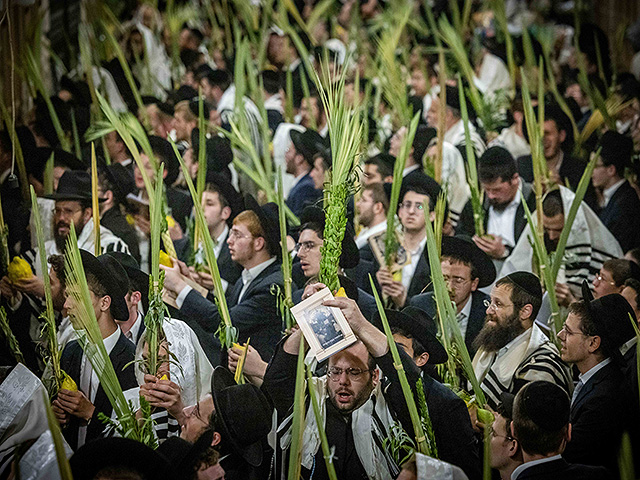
477 314
571 170
599 414
455 439
256 315
16 218
180 204
466 225
71 361
561 470
114 220
622 216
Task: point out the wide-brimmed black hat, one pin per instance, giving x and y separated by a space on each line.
453 101
244 415
419 325
268 216
350 256
183 455
116 452
74 185
307 143
137 278
218 151
230 194
110 274
463 248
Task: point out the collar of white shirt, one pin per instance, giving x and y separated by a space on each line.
363 236
588 375
520 468
466 310
607 193
250 274
410 169
111 340
132 334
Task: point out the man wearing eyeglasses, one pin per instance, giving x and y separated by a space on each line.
415 274
511 349
600 402
357 412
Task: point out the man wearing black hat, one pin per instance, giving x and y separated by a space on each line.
415 275
591 340
307 250
454 129
542 427
618 204
504 217
413 170
414 330
465 268
506 454
79 409
557 143
254 243
115 182
299 161
118 151
511 349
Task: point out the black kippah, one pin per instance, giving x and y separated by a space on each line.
545 404
526 281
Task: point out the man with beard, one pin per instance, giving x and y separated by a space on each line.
504 217
356 410
512 349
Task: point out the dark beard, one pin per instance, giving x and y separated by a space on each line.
549 244
61 240
499 206
493 337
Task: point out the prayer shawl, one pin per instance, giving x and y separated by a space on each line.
190 369
590 244
527 358
371 424
455 136
454 180
41 461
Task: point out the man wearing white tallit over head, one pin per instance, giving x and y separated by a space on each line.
182 379
589 245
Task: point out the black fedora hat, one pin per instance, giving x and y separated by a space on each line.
307 143
350 256
417 323
230 194
423 185
74 185
244 415
137 278
110 274
268 217
121 179
184 455
116 452
219 153
463 248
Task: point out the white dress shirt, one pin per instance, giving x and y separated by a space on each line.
607 193
248 275
463 317
501 222
409 269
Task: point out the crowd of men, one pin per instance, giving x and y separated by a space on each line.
565 402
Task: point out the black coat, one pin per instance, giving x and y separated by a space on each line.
366 302
114 220
180 204
598 416
71 361
571 170
477 314
455 439
561 470
466 225
256 315
621 216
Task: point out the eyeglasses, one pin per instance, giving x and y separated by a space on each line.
196 413
599 278
458 281
409 205
568 332
495 306
354 374
237 235
306 246
65 212
493 433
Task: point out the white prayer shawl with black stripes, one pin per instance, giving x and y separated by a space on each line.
455 136
108 243
371 424
454 181
589 245
527 358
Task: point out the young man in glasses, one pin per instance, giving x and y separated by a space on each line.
511 349
416 273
